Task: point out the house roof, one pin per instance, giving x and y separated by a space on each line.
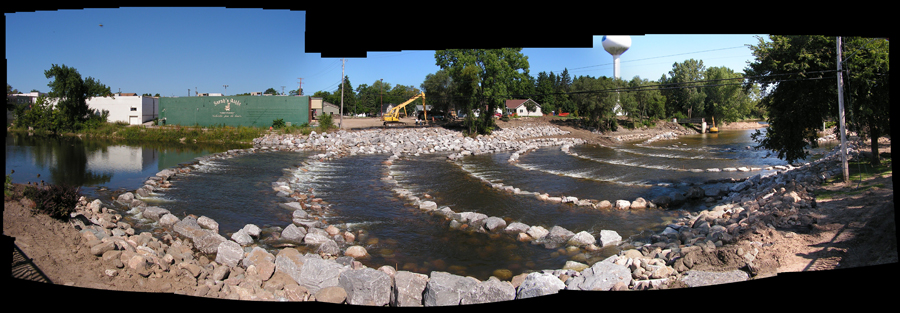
512 104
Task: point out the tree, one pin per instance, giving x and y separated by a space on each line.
724 95
10 90
595 98
72 92
643 100
486 78
792 69
868 89
682 95
438 88
270 91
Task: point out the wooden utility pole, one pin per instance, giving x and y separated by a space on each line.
341 123
840 81
300 88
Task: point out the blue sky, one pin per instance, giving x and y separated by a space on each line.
171 50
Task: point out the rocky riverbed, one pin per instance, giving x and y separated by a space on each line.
727 242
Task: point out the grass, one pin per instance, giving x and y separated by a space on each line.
860 172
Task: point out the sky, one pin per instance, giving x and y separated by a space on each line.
179 51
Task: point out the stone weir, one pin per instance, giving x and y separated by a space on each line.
237 268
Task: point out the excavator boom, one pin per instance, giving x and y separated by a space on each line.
394 114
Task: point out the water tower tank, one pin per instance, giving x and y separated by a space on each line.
616 45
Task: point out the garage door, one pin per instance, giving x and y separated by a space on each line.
133 120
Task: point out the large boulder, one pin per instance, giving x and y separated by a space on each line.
366 286
602 275
582 238
408 289
229 253
290 261
154 212
609 238
623 204
317 273
447 289
491 290
539 284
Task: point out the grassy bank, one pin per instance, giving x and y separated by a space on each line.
183 134
861 172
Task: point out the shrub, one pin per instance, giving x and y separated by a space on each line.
57 201
279 123
326 122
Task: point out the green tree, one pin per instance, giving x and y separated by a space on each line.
868 89
596 100
545 92
643 100
792 69
71 93
681 88
725 98
487 78
438 88
270 91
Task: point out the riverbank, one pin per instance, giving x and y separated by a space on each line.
157 279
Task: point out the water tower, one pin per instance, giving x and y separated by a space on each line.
616 45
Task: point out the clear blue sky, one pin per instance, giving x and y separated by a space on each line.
171 50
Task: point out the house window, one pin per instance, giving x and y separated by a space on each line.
133 109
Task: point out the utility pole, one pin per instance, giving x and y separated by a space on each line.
282 90
226 89
341 123
840 81
300 88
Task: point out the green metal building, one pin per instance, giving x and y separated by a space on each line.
258 111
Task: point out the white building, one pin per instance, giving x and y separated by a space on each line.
518 107
128 108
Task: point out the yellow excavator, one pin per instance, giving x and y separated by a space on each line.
393 116
713 129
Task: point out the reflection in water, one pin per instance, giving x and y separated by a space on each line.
93 163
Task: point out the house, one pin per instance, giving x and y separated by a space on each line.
518 107
127 107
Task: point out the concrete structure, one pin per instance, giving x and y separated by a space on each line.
127 108
518 107
234 110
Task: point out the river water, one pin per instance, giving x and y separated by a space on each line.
238 191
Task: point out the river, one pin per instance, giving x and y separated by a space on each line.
238 191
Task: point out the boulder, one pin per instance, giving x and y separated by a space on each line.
168 220
639 204
125 198
537 232
491 290
408 289
604 204
609 238
602 275
316 273
516 227
154 212
229 253
559 235
242 238
357 252
293 233
702 278
623 204
290 261
448 289
494 223
208 223
428 206
539 284
582 238
366 286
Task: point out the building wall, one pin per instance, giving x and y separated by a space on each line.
133 110
233 110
